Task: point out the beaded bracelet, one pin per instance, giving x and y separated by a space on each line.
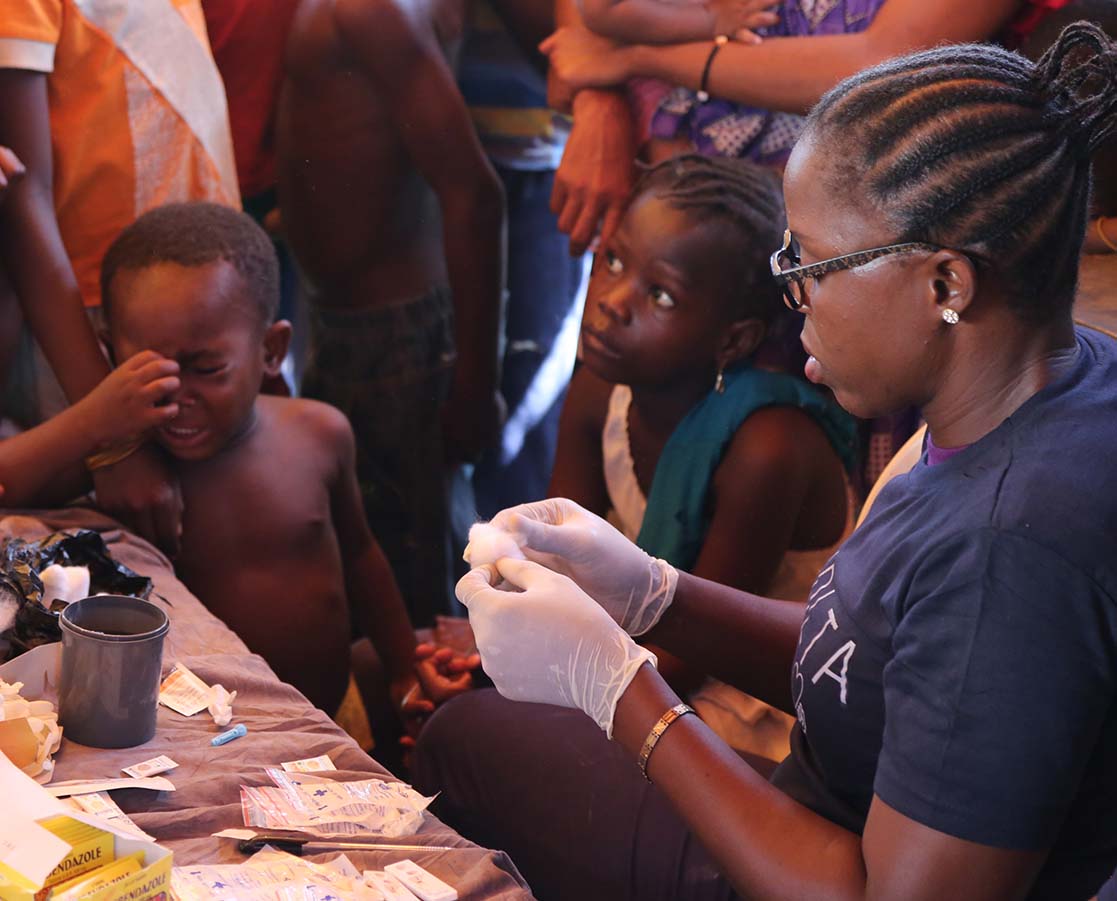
657 732
703 95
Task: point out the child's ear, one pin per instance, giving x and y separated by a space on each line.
276 341
741 340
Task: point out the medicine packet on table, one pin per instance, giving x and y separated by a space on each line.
184 692
319 764
325 808
101 805
268 875
153 767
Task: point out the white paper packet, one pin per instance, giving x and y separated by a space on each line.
184 692
370 806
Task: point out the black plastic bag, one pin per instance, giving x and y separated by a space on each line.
22 561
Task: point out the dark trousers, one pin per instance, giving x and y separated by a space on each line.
570 807
388 369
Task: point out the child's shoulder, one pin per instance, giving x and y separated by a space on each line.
289 417
775 445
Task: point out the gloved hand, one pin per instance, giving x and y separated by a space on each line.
546 641
633 587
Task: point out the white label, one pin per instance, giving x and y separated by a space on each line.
153 767
184 692
421 882
309 765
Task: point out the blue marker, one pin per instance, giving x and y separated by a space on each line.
225 737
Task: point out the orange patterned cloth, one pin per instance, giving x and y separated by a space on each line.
137 113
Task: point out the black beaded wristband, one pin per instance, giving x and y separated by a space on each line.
720 41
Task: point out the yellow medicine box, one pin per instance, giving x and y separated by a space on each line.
90 848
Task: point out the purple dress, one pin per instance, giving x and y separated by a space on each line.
722 128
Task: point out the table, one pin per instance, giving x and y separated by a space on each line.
282 725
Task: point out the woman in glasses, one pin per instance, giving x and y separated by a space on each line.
954 672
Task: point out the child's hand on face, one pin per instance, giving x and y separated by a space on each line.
737 18
128 402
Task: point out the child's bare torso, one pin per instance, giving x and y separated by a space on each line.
362 222
260 551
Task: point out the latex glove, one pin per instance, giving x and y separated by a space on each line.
633 587
547 641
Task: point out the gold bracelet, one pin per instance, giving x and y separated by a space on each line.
657 733
113 455
1101 234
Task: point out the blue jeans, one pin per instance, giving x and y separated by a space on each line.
543 289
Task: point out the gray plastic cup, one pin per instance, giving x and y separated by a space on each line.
112 657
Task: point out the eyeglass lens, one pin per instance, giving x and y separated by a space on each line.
794 293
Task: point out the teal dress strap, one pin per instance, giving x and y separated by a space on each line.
678 515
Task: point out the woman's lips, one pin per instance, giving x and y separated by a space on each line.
812 369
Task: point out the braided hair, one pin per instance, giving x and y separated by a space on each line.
743 196
978 149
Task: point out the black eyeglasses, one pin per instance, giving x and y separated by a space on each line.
792 277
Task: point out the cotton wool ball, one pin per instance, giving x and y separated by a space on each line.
487 544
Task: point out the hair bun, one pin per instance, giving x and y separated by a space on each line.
1078 75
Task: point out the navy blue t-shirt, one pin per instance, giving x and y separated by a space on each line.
958 657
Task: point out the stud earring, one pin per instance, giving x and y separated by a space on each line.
719 382
949 316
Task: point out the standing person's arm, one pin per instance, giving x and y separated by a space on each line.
598 166
403 58
33 251
529 22
140 488
787 73
654 22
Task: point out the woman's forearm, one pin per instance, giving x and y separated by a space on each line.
648 21
708 625
809 67
791 73
767 845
